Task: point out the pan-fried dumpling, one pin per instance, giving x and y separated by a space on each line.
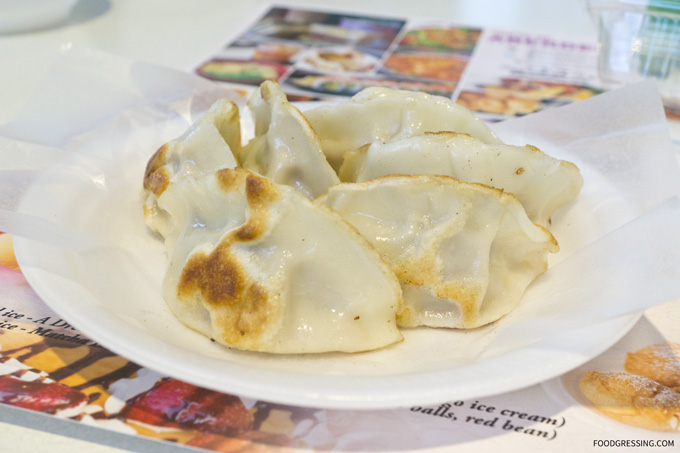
270 271
464 253
209 144
285 148
541 183
386 114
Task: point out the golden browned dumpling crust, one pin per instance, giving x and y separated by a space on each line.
218 277
156 175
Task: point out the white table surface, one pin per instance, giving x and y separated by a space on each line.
178 33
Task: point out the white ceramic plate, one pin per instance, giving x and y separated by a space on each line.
101 269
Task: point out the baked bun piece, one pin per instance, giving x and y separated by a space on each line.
659 362
541 183
387 114
210 143
464 253
634 400
256 266
285 148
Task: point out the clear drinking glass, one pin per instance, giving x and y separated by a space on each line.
640 39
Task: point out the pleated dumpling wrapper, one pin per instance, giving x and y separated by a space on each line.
257 266
387 114
541 183
285 148
208 144
464 253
